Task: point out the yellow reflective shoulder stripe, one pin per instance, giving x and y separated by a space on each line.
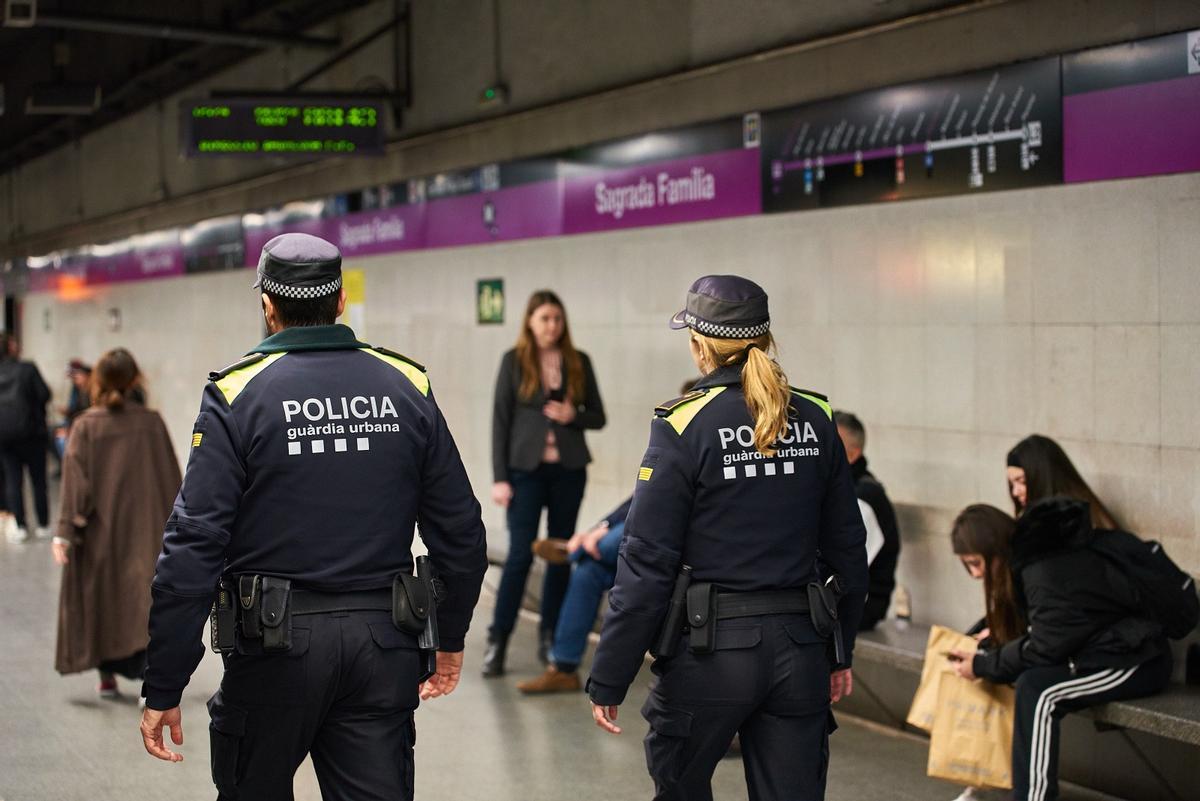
419 379
824 404
232 385
686 412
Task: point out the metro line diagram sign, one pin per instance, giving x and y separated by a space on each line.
994 129
268 126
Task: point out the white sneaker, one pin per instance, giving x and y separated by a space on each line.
43 532
968 794
979 794
17 535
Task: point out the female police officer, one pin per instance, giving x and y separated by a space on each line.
745 483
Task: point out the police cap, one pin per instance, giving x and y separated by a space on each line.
299 266
725 307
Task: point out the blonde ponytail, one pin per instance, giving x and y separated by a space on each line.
768 394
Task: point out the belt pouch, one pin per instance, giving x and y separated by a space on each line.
250 600
410 603
822 610
702 617
276 616
224 617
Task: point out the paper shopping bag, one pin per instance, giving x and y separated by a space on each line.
941 641
971 741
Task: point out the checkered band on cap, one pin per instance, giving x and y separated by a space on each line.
301 292
723 331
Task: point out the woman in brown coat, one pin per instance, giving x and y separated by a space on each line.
120 478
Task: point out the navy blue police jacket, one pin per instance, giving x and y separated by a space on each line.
706 498
312 460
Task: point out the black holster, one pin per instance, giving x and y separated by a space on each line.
265 611
823 602
667 642
414 610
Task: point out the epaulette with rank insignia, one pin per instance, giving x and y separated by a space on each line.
683 410
253 358
817 398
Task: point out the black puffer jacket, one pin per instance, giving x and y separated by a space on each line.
1081 609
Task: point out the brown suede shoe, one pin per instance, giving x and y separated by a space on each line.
552 681
553 551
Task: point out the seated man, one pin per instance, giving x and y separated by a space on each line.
883 535
594 554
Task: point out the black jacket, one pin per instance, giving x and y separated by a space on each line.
883 568
33 387
519 427
313 460
707 498
1082 610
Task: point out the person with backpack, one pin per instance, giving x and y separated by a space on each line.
1096 632
23 398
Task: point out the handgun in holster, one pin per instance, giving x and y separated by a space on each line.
823 599
667 642
414 610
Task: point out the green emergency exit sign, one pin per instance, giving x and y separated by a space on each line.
489 301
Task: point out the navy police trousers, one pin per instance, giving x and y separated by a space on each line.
767 679
345 693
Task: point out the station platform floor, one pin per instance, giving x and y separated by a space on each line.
60 742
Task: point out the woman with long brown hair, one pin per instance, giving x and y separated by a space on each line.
982 540
1039 468
546 397
120 478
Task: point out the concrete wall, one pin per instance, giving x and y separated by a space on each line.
555 57
953 327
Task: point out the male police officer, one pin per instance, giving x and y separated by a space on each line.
311 461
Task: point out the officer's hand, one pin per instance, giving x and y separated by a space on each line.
153 721
502 493
841 684
443 682
605 717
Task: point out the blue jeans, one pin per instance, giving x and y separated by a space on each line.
589 581
560 492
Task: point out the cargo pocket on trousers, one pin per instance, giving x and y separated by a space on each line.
808 685
226 729
666 741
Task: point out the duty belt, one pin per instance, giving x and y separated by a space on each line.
308 602
767 602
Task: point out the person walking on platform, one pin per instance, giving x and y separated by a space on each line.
546 397
745 528
23 433
120 477
311 462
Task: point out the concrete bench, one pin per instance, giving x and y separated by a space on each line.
888 664
1175 714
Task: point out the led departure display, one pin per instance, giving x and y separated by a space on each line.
275 127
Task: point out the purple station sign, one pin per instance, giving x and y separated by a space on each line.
702 187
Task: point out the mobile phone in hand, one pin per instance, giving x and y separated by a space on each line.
558 394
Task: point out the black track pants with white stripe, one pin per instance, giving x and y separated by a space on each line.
1045 694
